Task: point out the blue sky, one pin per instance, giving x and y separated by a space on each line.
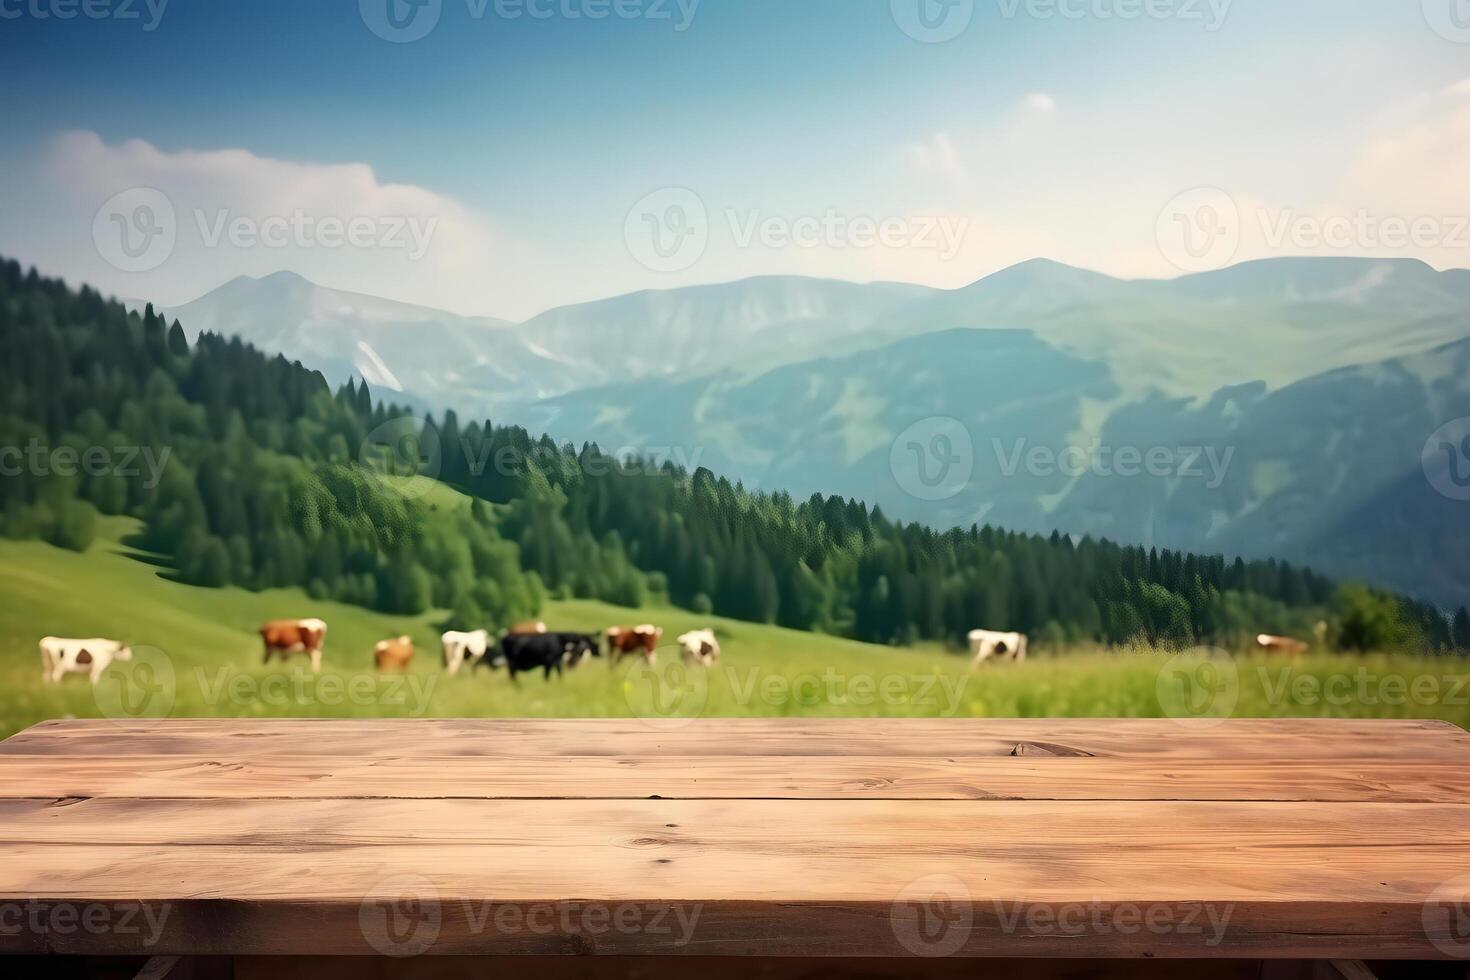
529 139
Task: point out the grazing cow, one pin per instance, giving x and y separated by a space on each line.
1004 646
1281 644
284 637
526 629
459 647
61 656
526 652
700 645
395 654
624 641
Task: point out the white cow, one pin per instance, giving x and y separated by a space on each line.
1005 646
700 645
459 647
61 656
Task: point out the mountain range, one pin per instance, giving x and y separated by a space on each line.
1277 408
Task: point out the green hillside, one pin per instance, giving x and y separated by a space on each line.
208 661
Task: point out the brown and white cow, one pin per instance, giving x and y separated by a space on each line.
985 644
1281 644
394 654
61 656
635 640
283 637
701 646
461 648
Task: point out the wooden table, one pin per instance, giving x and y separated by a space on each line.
920 843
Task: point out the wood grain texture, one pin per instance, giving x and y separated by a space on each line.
238 776
1136 838
1151 739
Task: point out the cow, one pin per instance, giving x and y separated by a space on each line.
283 637
395 654
526 629
61 656
523 653
624 641
459 647
700 645
1281 644
985 644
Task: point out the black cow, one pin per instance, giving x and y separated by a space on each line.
522 654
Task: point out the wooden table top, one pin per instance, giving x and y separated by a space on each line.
779 837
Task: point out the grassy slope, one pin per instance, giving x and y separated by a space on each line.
208 643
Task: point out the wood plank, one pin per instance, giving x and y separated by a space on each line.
1408 740
214 921
777 876
909 827
771 837
729 777
733 968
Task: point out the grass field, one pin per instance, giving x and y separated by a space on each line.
198 655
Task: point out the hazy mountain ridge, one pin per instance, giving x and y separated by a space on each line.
1321 377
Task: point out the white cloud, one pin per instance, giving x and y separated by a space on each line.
237 213
1418 167
1042 103
939 156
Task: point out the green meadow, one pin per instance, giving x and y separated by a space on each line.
198 655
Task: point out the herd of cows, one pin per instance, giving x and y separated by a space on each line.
523 648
